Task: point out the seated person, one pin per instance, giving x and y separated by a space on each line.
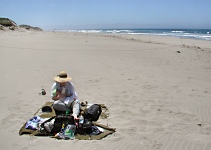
64 95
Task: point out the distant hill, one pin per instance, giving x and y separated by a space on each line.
8 24
28 27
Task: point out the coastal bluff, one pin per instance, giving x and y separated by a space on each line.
7 24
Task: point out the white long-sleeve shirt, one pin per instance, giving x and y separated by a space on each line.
69 89
68 101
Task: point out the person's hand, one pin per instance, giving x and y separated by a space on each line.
75 118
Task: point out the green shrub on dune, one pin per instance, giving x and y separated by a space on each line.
7 22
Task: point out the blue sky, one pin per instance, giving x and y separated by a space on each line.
95 14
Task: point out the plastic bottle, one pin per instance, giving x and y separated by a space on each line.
69 131
62 129
81 119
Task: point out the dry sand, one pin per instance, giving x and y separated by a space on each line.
158 89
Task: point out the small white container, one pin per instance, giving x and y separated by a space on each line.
81 119
63 90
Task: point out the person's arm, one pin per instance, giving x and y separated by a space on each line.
68 94
76 109
70 89
55 94
58 95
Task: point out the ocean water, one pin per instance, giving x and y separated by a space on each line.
201 34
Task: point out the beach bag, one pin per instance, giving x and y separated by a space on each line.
84 128
58 122
92 113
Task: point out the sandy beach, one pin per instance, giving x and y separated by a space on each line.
157 89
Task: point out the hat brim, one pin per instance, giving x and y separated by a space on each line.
58 79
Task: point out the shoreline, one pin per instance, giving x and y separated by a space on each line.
200 34
154 39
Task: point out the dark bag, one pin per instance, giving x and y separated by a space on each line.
93 112
84 128
59 121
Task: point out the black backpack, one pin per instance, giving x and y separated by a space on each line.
59 121
84 128
92 113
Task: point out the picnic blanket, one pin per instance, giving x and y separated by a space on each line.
45 115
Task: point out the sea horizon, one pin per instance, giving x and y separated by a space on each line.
200 34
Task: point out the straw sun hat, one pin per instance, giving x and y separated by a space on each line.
62 77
